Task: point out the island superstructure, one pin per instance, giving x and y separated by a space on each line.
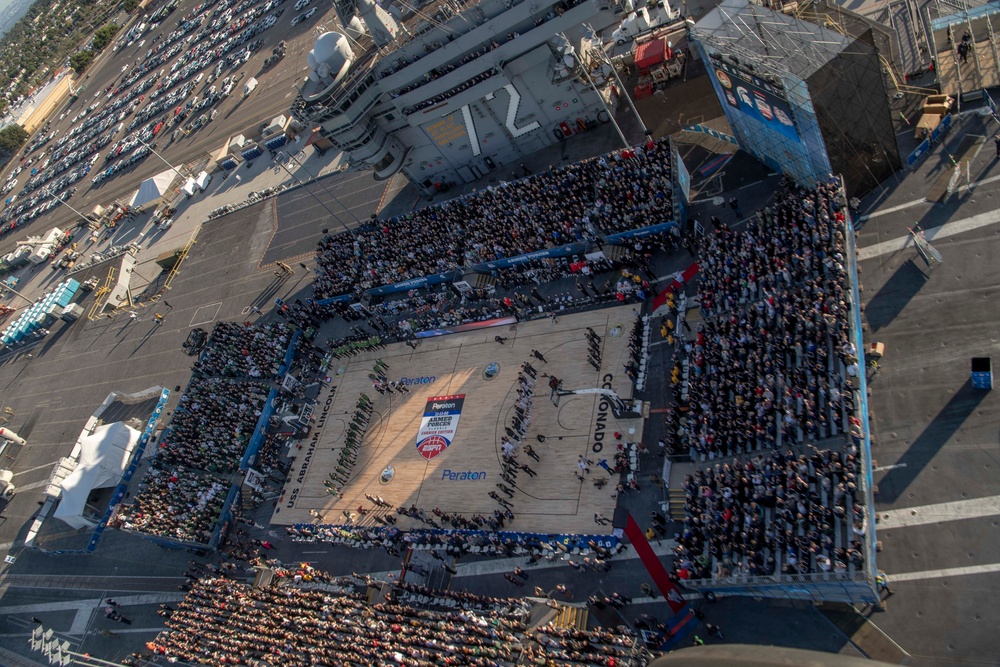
449 91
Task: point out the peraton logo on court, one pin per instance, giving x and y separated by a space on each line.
438 425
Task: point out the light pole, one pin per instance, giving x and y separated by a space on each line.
4 288
621 86
326 189
321 202
176 170
604 103
67 205
58 653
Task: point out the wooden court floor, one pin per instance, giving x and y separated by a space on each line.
460 476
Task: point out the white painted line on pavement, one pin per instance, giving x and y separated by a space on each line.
944 231
116 631
33 485
915 202
81 620
974 508
44 465
892 467
891 209
125 601
946 572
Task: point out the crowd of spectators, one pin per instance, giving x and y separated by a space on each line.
235 350
176 503
183 494
213 423
770 369
224 622
581 202
455 535
781 512
769 365
438 99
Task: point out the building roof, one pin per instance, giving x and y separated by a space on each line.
795 46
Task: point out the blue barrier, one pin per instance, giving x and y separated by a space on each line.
334 299
941 128
558 251
704 129
122 488
918 153
416 283
641 233
225 517
871 569
925 145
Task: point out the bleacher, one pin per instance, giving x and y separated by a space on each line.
804 432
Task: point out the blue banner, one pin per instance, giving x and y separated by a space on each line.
506 262
683 178
918 153
640 233
941 128
225 516
334 299
754 97
415 283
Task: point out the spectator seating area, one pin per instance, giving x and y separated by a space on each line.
581 202
769 369
185 488
779 513
769 365
225 622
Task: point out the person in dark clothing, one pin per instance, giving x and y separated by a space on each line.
734 204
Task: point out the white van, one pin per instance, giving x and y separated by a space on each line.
204 178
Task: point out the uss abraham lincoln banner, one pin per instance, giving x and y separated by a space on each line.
438 425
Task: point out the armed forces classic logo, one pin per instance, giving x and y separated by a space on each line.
439 424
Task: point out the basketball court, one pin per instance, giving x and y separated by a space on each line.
465 384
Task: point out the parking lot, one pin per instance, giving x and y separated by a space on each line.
175 87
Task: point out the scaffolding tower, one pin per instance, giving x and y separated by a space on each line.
829 83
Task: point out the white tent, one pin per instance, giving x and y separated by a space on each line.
152 188
103 458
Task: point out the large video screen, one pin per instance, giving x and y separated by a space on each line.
756 98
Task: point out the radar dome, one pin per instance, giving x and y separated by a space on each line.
333 49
